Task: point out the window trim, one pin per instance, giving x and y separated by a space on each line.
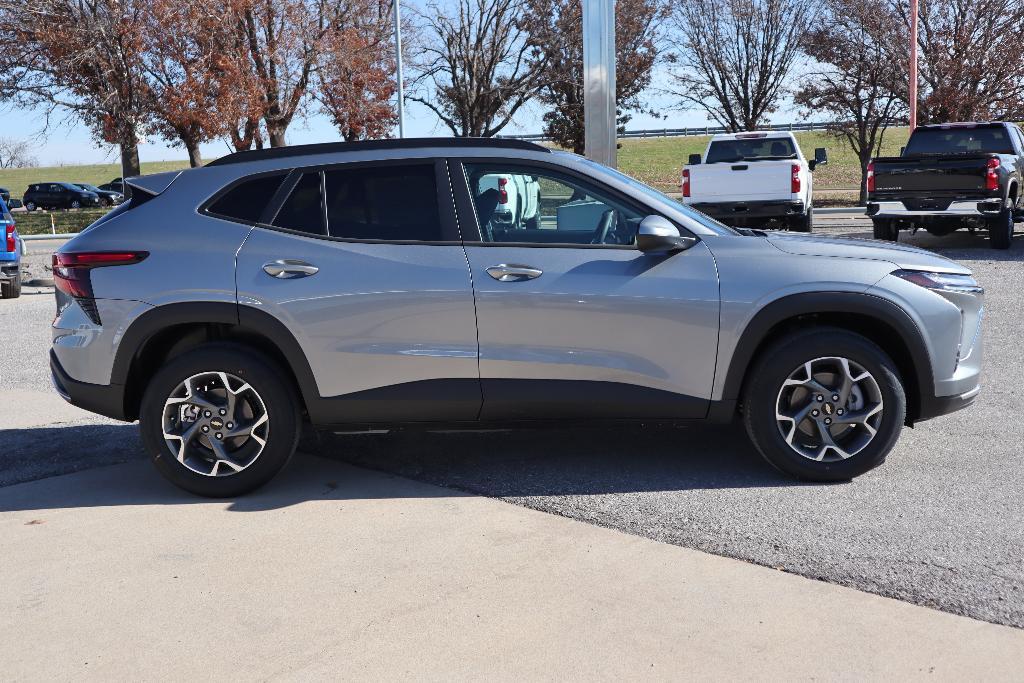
467 213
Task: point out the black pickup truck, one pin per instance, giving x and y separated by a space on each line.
950 176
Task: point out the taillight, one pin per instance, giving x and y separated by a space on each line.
71 273
992 175
686 182
502 192
794 181
871 177
11 245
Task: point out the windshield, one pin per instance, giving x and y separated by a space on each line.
658 196
87 186
966 140
5 215
760 149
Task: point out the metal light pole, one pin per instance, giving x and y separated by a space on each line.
913 64
599 134
398 69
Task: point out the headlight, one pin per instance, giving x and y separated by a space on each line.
943 282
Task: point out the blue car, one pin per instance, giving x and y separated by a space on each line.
10 255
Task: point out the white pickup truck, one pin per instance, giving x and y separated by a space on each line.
518 198
753 180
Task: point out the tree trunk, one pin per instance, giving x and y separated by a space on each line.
863 182
195 157
276 133
130 160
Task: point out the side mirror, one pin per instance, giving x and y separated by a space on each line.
657 235
820 157
694 160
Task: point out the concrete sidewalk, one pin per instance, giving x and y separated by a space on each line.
333 571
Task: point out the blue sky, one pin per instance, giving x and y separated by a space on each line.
69 142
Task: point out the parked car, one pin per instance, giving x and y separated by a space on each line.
58 196
107 197
517 196
753 179
950 176
115 185
5 195
318 297
10 255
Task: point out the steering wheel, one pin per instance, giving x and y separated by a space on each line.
604 227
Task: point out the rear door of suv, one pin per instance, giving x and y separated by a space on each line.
363 262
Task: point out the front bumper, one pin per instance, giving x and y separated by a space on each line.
103 399
936 406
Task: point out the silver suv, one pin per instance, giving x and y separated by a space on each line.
369 285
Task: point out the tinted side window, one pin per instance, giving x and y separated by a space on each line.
303 210
397 203
246 201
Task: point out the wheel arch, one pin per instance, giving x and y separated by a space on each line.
166 331
882 321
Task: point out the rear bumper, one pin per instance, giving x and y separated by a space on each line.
968 208
103 399
728 212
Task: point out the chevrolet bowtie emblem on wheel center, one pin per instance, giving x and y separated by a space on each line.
828 408
216 423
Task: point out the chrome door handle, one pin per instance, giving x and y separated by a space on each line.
511 272
287 269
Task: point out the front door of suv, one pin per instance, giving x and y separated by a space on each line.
364 265
573 320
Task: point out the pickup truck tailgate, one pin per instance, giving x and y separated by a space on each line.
741 181
931 174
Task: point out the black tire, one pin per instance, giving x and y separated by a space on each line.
30 206
804 223
11 289
272 386
786 356
1000 230
885 230
75 204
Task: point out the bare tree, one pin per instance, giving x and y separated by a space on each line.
970 68
555 28
856 81
475 65
82 57
16 154
734 56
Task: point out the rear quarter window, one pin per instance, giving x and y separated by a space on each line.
245 201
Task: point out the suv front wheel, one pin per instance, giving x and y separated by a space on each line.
824 404
219 420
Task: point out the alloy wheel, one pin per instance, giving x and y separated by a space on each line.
215 424
829 409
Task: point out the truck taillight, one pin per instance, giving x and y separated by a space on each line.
992 175
686 182
871 177
502 192
794 182
9 236
71 273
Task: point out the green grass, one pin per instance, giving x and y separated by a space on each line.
39 222
17 180
658 161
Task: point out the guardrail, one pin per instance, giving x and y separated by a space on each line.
689 132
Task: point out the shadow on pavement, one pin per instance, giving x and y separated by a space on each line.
544 462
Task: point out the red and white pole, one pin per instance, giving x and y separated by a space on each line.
913 64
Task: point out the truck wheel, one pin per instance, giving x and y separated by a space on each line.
885 230
12 288
219 420
804 223
824 404
1000 230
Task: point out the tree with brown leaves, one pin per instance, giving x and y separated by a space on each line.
82 57
735 56
555 29
855 80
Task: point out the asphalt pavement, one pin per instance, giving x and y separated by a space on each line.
940 524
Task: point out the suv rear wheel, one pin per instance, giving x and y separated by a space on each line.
824 404
219 420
